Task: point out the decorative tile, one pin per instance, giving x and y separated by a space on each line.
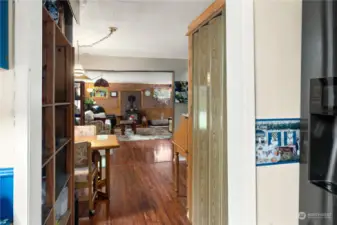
277 141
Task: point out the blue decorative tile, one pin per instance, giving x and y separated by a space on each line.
277 141
4 64
6 195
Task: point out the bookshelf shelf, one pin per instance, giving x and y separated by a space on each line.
57 123
65 218
46 158
62 104
62 144
46 213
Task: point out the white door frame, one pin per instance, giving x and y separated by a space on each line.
27 112
241 112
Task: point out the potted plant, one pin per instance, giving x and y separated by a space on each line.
88 103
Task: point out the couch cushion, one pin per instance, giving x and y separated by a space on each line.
160 122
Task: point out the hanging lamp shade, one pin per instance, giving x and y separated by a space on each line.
101 83
79 72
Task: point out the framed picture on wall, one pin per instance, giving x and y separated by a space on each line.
113 94
99 93
180 91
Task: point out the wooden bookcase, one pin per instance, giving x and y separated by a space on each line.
57 122
79 87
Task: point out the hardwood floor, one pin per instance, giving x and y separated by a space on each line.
142 187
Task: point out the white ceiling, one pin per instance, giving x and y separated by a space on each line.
146 28
131 77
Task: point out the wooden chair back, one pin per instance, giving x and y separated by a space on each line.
89 130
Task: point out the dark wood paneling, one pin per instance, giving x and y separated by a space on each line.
150 107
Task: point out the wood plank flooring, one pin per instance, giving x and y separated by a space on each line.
142 187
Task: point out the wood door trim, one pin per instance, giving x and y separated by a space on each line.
190 128
213 10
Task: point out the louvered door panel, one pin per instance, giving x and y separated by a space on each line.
209 200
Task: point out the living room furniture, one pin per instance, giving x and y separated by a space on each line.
86 173
99 142
113 123
145 123
119 119
159 122
124 123
90 130
101 128
79 90
57 121
180 148
170 124
87 130
136 115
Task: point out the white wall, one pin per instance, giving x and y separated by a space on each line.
95 62
7 103
278 74
131 77
24 89
179 66
240 90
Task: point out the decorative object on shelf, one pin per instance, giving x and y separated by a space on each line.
114 94
144 122
51 6
79 72
4 37
147 93
181 91
132 117
277 141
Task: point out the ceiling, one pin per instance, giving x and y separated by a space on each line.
146 28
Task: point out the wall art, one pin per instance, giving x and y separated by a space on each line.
114 94
277 141
181 91
99 93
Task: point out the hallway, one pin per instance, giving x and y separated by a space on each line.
142 187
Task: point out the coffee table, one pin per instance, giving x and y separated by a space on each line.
123 124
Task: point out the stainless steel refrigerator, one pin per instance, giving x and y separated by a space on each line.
318 161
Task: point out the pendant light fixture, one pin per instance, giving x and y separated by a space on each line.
79 72
101 83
